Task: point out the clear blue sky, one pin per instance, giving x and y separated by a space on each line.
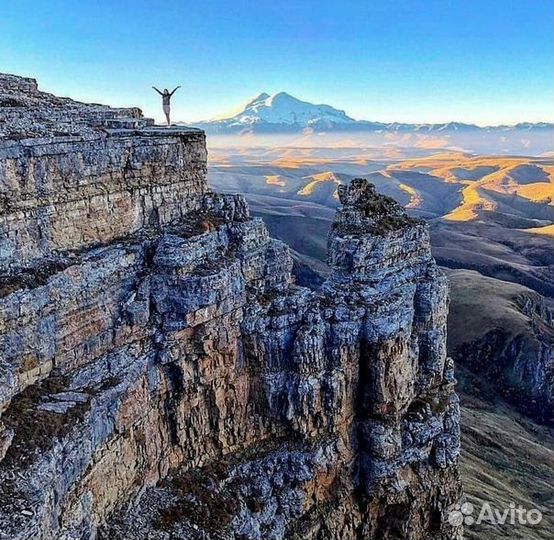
483 61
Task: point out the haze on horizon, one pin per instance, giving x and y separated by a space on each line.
406 61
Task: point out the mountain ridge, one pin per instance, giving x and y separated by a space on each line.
284 113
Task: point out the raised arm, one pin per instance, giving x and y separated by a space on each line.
161 93
174 90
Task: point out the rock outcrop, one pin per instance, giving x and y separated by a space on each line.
163 376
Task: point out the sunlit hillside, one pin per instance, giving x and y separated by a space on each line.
318 181
481 178
516 191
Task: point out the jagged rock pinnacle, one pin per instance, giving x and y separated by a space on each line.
366 210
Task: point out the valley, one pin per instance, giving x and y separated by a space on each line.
491 220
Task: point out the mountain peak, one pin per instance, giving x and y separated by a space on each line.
283 111
283 95
260 97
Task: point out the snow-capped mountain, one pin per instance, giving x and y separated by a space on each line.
282 113
282 108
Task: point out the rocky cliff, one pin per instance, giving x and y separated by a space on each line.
163 376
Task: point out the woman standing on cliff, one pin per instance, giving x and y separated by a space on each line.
166 99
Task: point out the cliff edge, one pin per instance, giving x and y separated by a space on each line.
162 375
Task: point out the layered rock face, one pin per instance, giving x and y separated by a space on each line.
163 376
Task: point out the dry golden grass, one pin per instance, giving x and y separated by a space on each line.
275 180
415 197
472 202
529 178
318 179
298 162
547 230
537 192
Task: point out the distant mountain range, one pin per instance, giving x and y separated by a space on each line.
283 113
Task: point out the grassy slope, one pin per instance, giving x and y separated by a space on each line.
506 458
479 304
